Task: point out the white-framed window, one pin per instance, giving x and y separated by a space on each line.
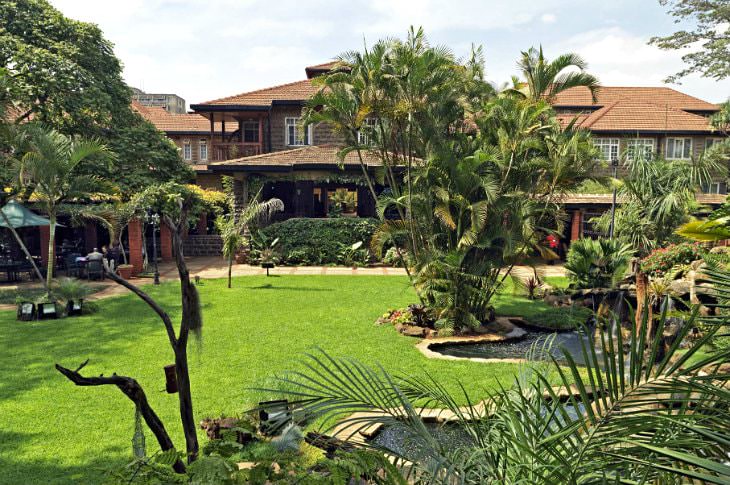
709 142
679 148
203 149
640 148
608 148
187 150
250 131
296 133
363 134
715 188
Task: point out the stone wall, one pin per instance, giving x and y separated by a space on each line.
208 245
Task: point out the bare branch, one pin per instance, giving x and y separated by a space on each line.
131 388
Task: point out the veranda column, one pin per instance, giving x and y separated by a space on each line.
45 237
576 225
90 239
136 258
165 243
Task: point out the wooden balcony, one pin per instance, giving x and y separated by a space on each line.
231 150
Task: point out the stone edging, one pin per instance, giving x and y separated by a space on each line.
424 346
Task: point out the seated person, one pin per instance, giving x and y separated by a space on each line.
95 255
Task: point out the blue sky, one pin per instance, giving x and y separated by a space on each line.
205 49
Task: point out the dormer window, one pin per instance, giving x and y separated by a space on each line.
296 133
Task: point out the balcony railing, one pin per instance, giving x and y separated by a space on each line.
229 151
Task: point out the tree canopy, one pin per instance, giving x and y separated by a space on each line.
710 19
63 73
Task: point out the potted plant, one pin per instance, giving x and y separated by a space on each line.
73 292
125 271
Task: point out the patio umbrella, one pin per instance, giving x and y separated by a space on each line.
20 216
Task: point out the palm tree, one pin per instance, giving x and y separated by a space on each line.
630 419
545 79
50 168
232 227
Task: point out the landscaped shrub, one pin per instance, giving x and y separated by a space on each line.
662 260
597 263
320 241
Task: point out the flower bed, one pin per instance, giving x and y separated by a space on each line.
662 260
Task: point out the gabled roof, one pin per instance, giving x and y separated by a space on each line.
300 156
662 96
633 115
178 123
295 91
313 71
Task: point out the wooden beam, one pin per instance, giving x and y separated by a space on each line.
212 125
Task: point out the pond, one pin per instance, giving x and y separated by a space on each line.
534 345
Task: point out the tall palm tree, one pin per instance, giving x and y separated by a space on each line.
545 79
50 168
232 227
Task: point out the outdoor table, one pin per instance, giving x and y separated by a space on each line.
10 269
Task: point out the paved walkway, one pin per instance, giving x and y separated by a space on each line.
212 267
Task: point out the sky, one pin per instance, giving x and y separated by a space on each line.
207 49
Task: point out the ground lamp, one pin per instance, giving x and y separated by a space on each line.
273 416
26 311
47 310
73 307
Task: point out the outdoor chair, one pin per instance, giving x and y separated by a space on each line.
73 267
95 269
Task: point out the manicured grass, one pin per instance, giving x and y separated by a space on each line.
53 432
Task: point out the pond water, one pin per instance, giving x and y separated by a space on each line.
535 345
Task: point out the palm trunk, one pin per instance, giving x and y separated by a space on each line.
25 251
51 250
642 283
230 266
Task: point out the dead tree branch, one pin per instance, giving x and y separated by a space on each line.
131 388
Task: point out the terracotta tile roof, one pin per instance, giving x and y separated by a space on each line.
296 91
632 115
173 122
605 199
661 96
308 155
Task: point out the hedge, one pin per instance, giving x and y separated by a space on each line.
306 241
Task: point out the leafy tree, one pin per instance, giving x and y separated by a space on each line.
50 169
65 75
709 19
546 79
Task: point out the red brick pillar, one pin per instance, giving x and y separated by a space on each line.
90 239
203 224
136 258
165 243
576 225
45 237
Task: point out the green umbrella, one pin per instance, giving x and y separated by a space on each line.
19 216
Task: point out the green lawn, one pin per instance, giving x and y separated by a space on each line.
53 432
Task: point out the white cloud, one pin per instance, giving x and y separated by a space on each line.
620 58
202 49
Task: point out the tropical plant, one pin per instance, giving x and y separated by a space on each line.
597 263
658 196
71 289
50 169
642 412
546 79
232 227
660 261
